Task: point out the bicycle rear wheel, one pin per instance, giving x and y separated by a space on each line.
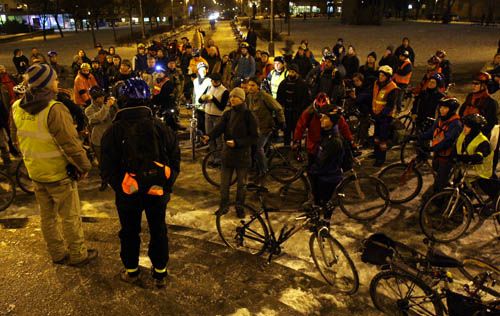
408 151
7 190
395 293
474 269
333 262
287 195
403 182
23 178
211 169
446 216
363 197
247 234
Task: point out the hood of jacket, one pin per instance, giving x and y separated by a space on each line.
36 100
133 113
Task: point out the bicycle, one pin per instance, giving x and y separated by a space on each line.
193 128
257 236
353 191
409 283
408 148
404 180
23 178
447 215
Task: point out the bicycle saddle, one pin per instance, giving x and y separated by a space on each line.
439 259
252 187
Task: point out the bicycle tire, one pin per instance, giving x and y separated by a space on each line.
408 151
402 306
324 266
232 230
469 264
193 144
431 211
354 122
285 174
212 173
497 209
23 179
355 190
7 191
403 183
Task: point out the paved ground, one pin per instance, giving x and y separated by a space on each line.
207 279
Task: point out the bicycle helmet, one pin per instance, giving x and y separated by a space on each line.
279 59
52 53
451 103
85 66
474 121
20 89
439 79
133 91
330 56
201 65
482 77
441 53
96 92
434 60
244 45
386 70
322 103
405 53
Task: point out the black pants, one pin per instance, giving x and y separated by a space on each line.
442 167
291 118
322 192
130 209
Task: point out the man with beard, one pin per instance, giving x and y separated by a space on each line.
294 96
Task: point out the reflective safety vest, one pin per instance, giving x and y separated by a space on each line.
158 85
43 158
275 81
380 96
403 79
485 169
439 134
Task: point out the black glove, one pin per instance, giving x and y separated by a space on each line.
463 158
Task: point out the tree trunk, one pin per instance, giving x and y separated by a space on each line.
93 31
130 19
76 25
114 29
44 20
151 23
58 25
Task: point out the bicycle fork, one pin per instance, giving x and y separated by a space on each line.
452 204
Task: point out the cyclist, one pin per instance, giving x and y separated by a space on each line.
310 120
426 103
473 148
325 165
443 133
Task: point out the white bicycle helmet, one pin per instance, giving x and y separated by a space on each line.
20 89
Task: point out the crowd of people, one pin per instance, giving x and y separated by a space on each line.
243 99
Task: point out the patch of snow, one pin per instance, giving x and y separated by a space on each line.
301 301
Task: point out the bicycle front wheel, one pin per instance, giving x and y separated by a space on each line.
247 234
211 167
446 216
363 197
474 269
408 151
404 182
333 262
7 191
397 294
287 195
23 178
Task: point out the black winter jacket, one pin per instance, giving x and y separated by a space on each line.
238 124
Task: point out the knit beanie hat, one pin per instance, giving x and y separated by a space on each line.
40 76
373 54
238 93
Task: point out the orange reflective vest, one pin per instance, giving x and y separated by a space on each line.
380 96
158 85
439 134
403 79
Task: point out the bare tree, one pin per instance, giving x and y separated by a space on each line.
447 11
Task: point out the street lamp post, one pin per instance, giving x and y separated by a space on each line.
271 30
143 28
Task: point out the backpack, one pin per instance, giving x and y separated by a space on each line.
146 170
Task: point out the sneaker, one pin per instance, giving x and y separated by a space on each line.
158 278
91 255
64 260
132 279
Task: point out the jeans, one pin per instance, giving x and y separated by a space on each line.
210 122
130 209
260 154
225 183
291 118
60 216
442 167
